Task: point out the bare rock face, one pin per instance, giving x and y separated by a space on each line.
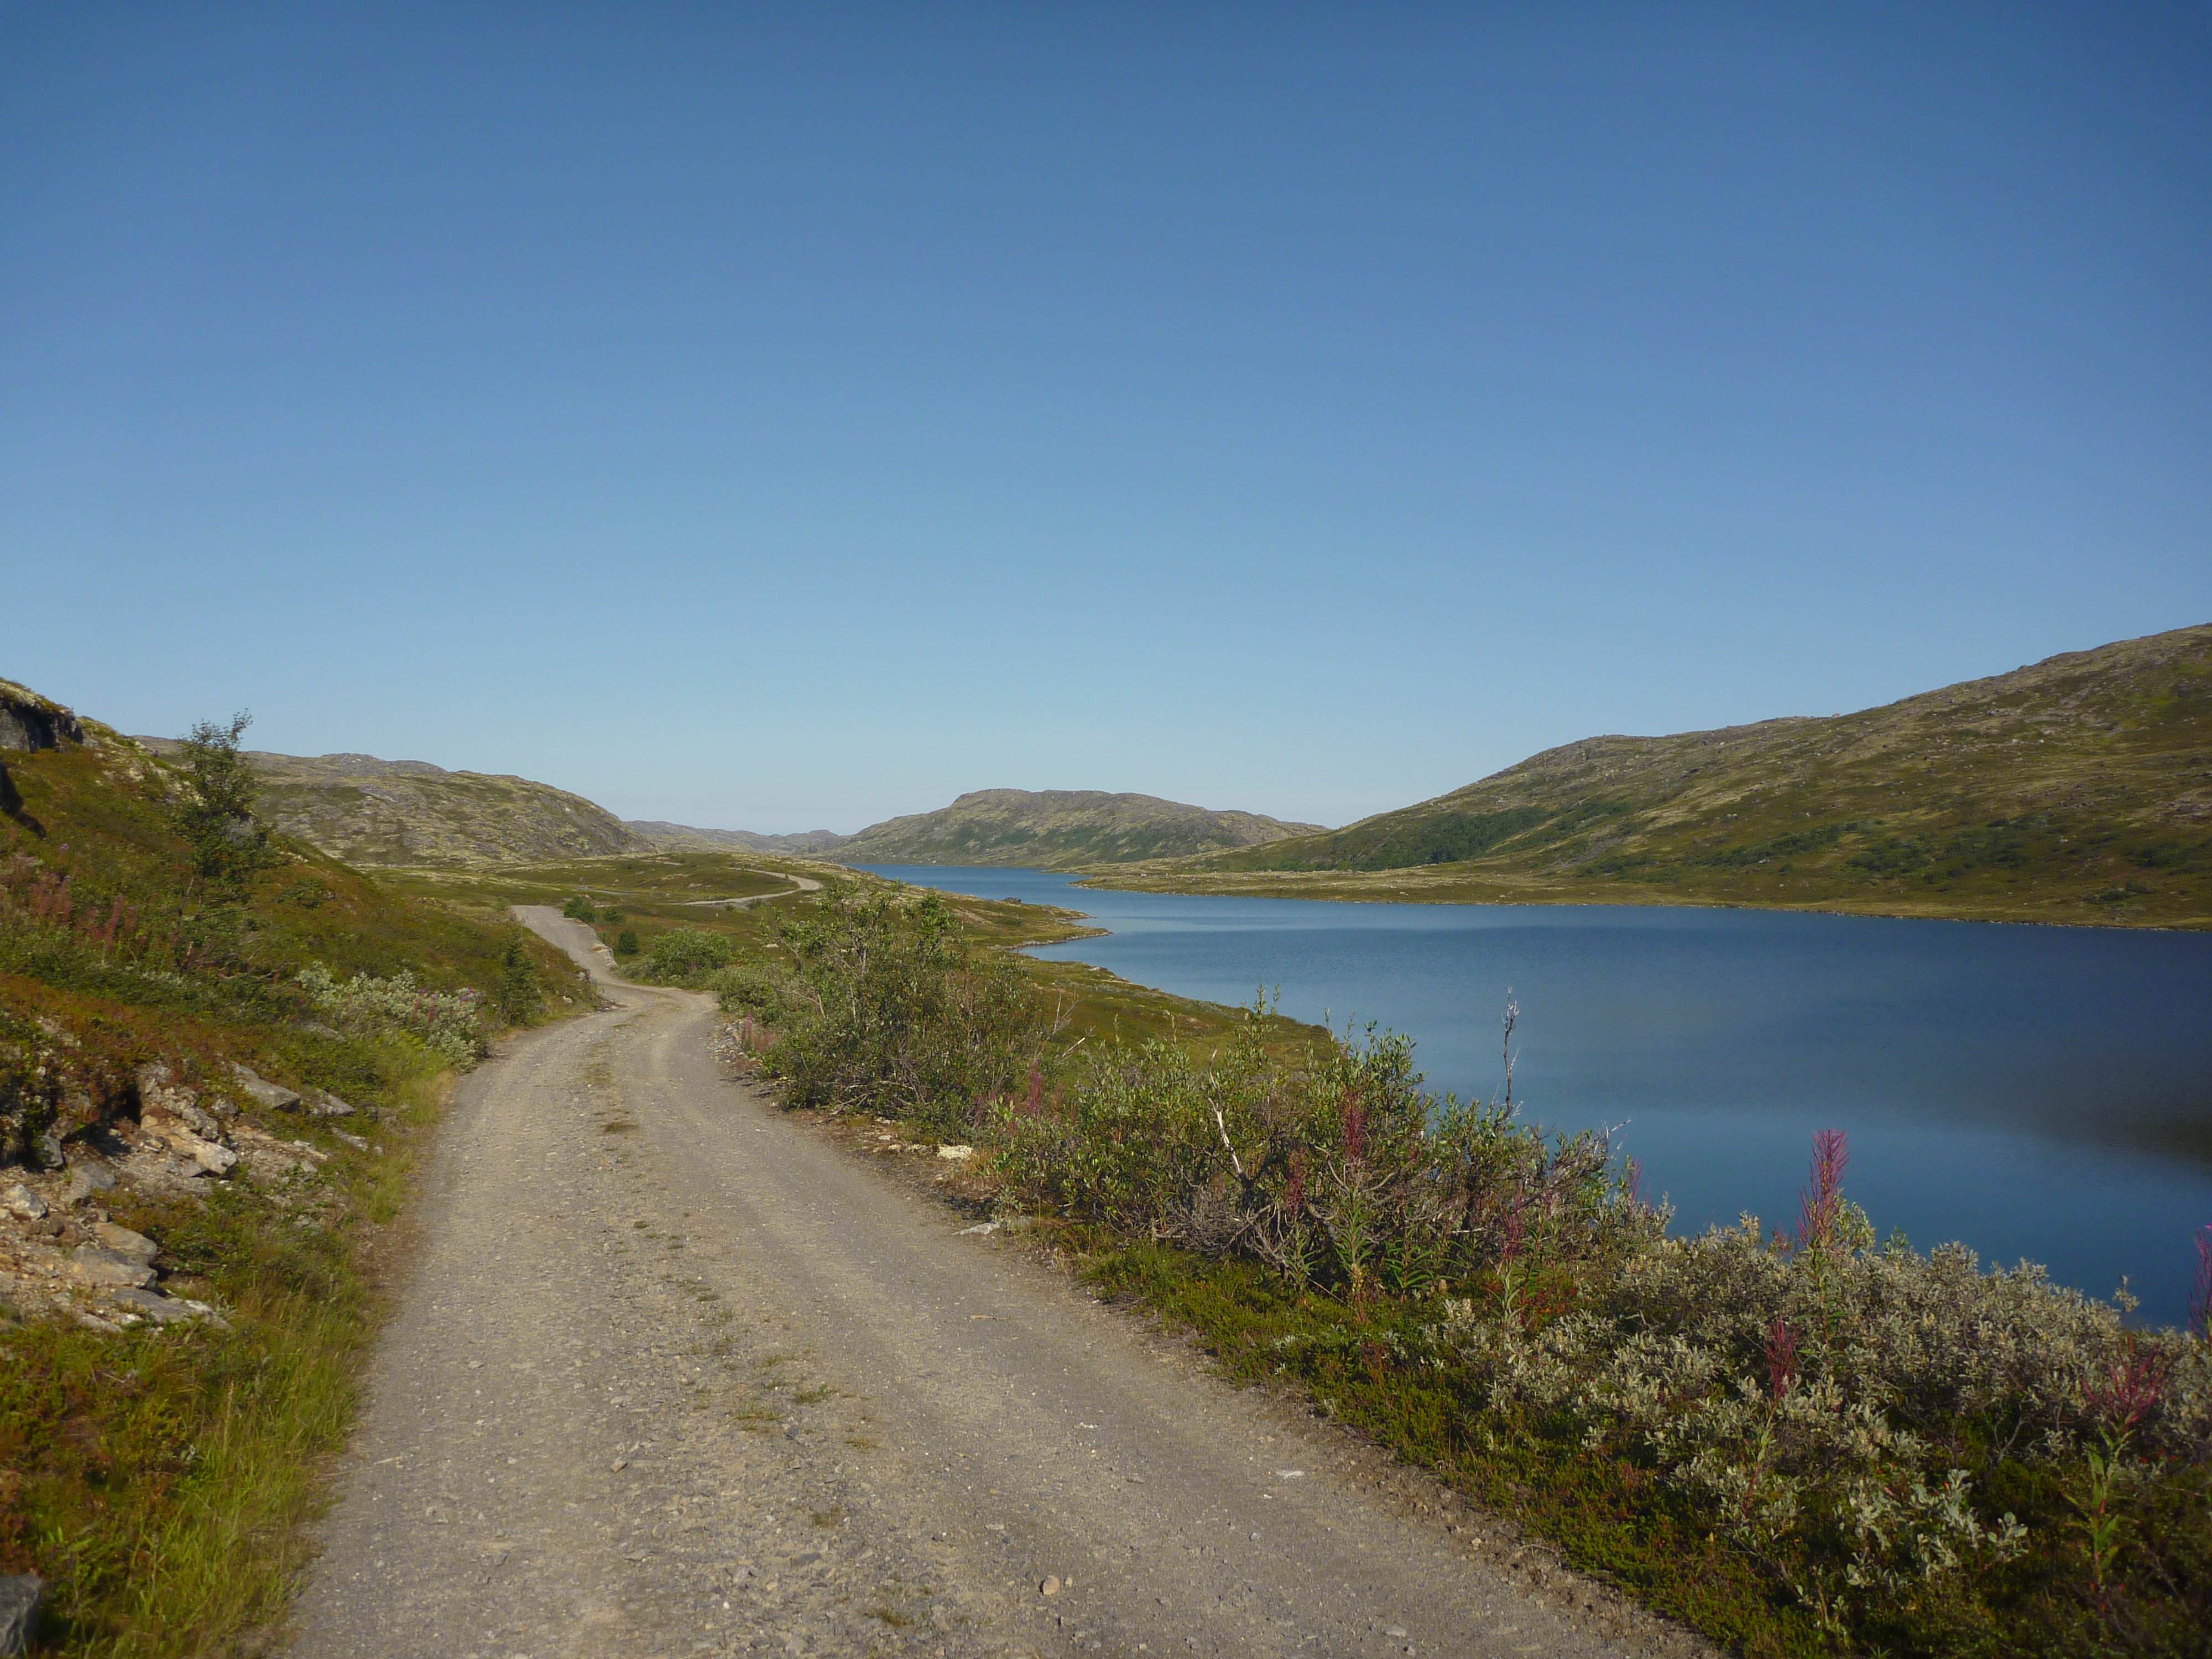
28 721
171 1116
120 1239
86 1182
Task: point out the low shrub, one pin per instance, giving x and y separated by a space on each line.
579 908
888 1009
687 953
445 1021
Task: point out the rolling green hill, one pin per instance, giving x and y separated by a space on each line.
2078 789
1058 829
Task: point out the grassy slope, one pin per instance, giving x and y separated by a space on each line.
2077 790
1058 829
370 811
158 1479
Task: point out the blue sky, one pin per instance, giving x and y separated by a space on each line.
788 416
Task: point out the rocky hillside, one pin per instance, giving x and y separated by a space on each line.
2079 788
1058 830
370 811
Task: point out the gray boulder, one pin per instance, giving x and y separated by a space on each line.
21 1200
275 1095
121 1240
161 1309
87 1180
20 1595
89 1264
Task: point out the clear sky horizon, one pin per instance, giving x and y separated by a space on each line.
783 418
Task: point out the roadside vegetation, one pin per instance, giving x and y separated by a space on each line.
156 1463
1800 1441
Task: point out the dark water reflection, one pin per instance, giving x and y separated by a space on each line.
2034 1091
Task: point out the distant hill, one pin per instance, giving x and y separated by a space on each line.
371 811
2076 789
683 837
1058 829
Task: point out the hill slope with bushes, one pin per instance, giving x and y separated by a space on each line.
2077 789
218 1050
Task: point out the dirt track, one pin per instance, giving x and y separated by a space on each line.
676 1375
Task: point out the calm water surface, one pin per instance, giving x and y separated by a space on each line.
2037 1092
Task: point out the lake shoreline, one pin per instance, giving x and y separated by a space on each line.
2041 1093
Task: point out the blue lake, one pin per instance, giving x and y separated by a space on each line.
2035 1092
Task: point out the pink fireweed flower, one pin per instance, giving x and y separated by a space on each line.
1781 1357
1512 1233
1823 1201
2200 1295
2129 1390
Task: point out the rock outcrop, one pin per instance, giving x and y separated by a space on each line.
29 721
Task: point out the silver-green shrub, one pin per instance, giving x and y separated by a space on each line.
446 1023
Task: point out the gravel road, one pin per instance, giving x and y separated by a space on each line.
677 1374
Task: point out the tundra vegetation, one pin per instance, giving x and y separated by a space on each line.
156 1461
1800 1441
